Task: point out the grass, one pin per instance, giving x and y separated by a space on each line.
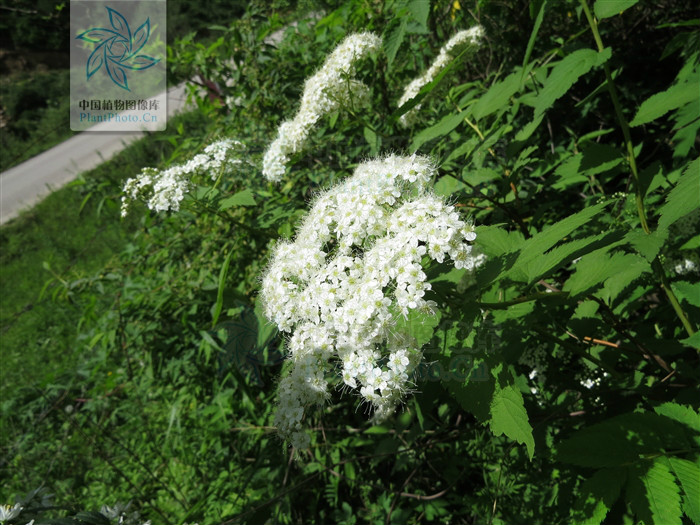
72 234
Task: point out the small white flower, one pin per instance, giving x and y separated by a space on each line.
8 513
687 266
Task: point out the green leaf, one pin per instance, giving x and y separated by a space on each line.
658 105
653 494
497 96
446 124
688 474
420 9
622 440
533 34
495 241
509 417
564 74
595 159
242 198
597 267
474 397
615 284
266 329
555 258
683 414
372 139
220 291
598 494
687 127
447 185
534 248
683 198
692 341
647 244
607 8
393 41
376 430
692 244
93 518
689 292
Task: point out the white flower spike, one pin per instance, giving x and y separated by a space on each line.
471 37
329 89
164 190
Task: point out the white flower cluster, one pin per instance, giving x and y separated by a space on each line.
355 265
8 512
470 37
685 267
330 88
164 190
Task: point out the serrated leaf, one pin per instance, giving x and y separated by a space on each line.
647 244
688 474
372 139
509 417
615 284
692 244
683 198
564 75
532 250
607 8
687 126
689 292
622 440
563 254
595 159
447 185
547 238
495 241
653 494
91 517
446 124
681 413
393 41
242 198
420 9
474 397
266 329
595 268
692 341
513 312
659 104
497 96
597 496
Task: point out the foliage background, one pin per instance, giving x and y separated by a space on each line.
579 397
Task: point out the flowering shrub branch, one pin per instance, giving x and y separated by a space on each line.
164 190
355 265
469 37
332 87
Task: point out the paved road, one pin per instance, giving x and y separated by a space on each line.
26 184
